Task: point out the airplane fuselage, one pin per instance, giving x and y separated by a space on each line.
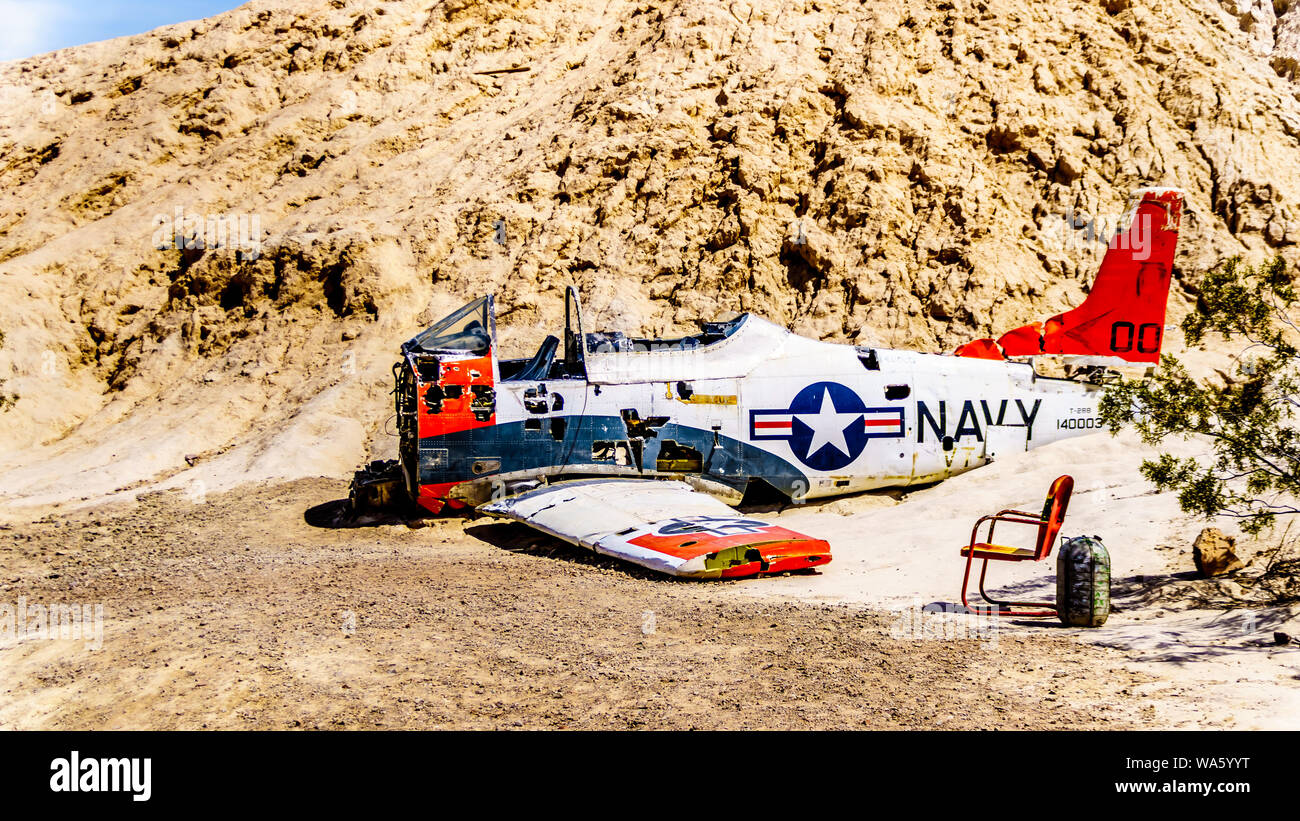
754 405
747 405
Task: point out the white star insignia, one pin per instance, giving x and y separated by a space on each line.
828 426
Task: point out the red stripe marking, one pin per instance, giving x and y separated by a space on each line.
877 423
771 424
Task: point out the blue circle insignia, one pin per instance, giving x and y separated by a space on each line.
827 429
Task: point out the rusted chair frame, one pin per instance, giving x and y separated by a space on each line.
1003 608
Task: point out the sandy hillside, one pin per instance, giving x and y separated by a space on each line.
893 172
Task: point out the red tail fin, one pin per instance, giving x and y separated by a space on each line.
1124 314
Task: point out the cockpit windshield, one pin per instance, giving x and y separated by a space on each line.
466 330
618 342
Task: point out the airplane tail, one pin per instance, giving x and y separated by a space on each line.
1124 315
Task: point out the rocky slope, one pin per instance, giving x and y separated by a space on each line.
893 172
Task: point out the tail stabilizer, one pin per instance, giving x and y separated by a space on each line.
1124 315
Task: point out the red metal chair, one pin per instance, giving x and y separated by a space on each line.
1049 525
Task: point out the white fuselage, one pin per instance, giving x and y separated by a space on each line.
833 418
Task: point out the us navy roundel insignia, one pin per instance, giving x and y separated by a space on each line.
827 425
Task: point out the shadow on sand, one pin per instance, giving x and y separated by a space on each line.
517 537
338 514
1230 632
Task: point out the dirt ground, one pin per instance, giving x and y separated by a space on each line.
233 611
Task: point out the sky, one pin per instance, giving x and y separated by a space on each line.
36 26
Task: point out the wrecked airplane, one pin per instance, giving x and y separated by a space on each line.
742 408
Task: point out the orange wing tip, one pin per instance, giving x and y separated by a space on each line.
758 559
1027 340
980 349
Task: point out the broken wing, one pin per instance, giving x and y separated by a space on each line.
664 526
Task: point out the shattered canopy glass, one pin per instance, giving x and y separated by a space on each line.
465 330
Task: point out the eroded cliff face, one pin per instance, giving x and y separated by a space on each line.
895 172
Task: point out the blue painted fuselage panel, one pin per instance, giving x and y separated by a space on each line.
568 443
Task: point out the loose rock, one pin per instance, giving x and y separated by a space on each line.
1213 553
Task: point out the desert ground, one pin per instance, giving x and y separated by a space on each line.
251 609
230 614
